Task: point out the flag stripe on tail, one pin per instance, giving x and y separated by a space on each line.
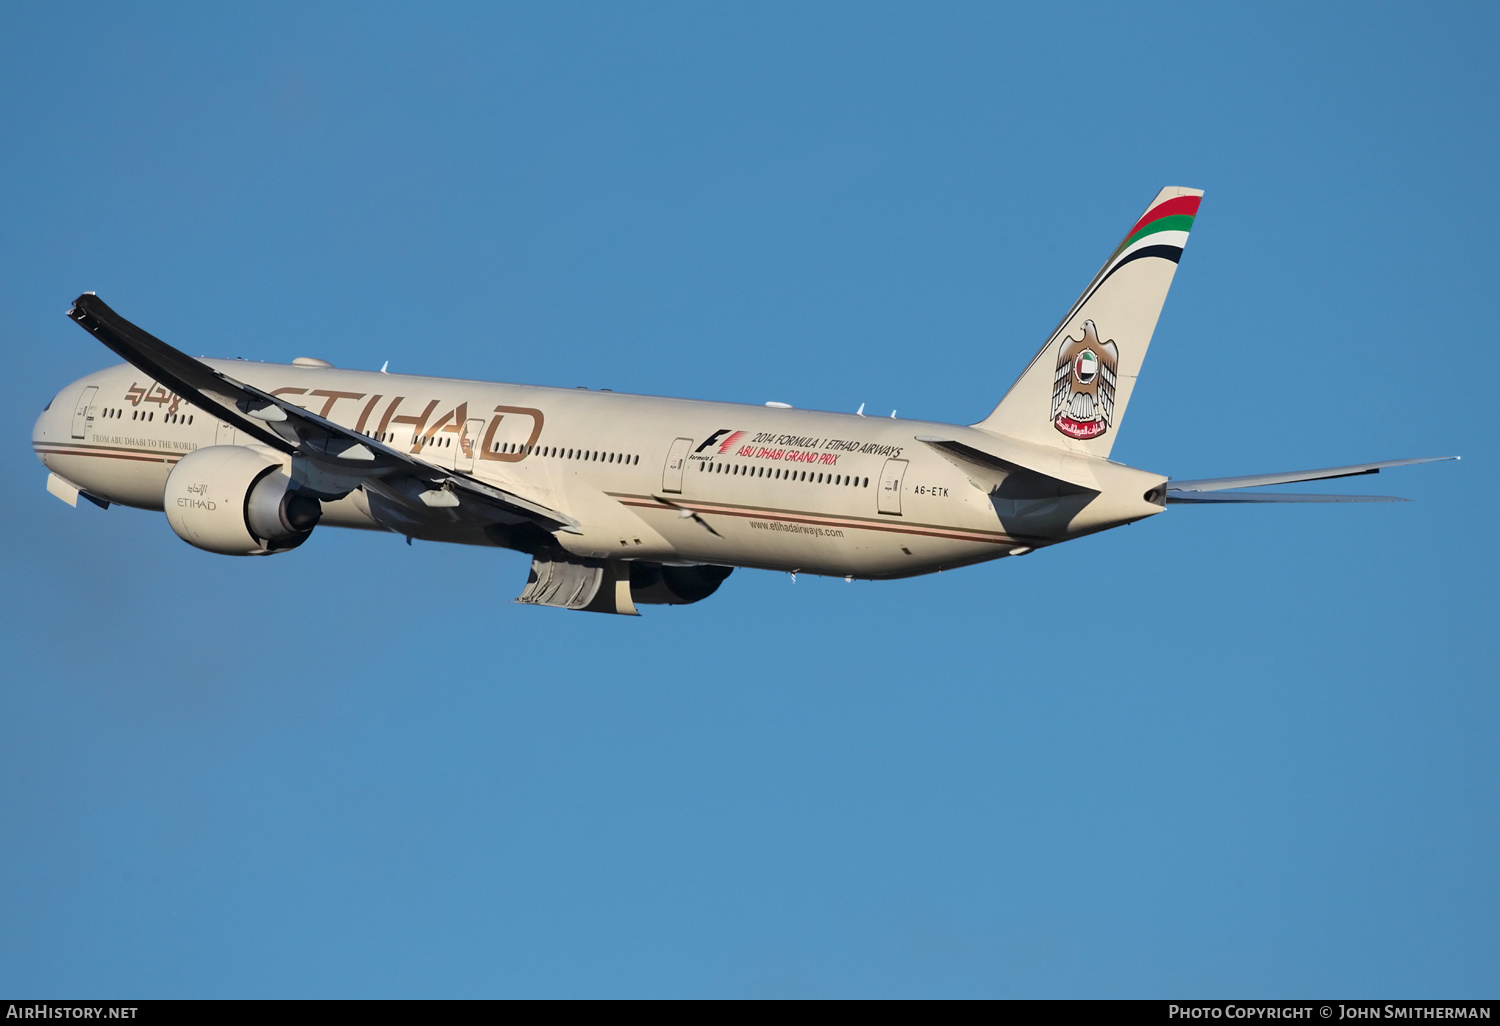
1170 223
1179 205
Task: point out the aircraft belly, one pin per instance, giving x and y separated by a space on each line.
138 480
814 542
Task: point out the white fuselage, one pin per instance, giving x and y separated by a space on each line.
648 478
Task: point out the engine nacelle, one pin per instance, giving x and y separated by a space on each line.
653 584
237 502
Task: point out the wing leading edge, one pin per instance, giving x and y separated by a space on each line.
331 459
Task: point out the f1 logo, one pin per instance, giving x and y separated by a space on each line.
711 439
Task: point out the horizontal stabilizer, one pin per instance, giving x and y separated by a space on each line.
1205 498
1220 484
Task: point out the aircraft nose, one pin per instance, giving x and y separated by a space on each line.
39 429
54 424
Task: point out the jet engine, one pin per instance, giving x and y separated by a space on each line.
236 501
656 584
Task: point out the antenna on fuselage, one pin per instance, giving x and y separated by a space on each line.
861 411
383 366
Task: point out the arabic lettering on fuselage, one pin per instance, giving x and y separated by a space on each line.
154 393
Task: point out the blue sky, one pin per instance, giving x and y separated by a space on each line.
1237 752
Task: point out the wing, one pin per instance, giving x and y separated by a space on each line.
1204 491
330 459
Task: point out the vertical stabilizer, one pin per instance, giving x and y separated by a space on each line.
1074 393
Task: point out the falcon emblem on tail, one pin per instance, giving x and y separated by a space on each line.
1083 390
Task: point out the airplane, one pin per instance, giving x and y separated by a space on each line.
625 500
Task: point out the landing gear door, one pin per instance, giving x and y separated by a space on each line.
83 413
889 496
671 475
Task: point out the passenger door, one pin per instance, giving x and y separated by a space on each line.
469 441
83 413
889 496
671 475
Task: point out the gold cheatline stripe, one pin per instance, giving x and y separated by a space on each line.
109 453
822 520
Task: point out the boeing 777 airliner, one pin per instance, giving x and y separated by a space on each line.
623 500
